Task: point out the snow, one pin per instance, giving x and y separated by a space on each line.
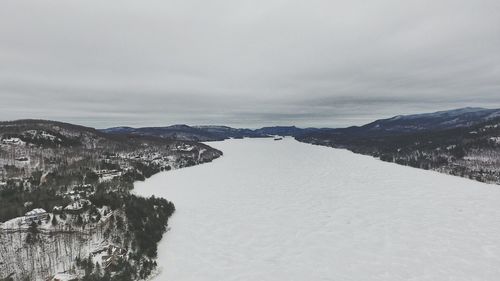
14 223
77 205
291 211
42 134
13 141
35 212
495 140
65 277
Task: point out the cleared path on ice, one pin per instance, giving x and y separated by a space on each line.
284 210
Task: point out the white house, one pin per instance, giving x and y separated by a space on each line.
35 215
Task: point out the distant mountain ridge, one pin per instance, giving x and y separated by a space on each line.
440 120
462 117
463 142
185 132
208 133
47 133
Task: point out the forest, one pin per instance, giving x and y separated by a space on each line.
80 179
466 151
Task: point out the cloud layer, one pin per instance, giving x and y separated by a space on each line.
245 63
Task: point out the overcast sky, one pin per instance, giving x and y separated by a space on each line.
245 63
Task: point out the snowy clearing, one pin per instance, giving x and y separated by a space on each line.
286 210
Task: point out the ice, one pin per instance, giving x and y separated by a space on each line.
291 211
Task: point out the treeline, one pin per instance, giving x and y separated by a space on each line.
13 199
94 272
451 151
147 219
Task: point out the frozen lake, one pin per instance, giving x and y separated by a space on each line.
283 210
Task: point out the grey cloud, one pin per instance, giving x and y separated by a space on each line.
245 63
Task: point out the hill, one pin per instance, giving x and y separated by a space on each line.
65 197
208 133
463 117
185 132
463 142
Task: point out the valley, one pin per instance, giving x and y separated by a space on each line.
68 206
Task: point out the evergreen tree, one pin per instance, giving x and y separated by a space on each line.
33 234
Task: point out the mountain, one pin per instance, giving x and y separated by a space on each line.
178 132
185 132
118 130
462 117
440 120
285 131
47 133
208 133
463 142
224 132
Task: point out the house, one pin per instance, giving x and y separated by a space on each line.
35 215
12 141
77 206
105 175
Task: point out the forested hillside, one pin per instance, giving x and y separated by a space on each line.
467 148
65 201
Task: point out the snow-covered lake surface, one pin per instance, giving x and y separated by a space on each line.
283 210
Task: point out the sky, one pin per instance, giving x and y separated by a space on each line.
245 63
